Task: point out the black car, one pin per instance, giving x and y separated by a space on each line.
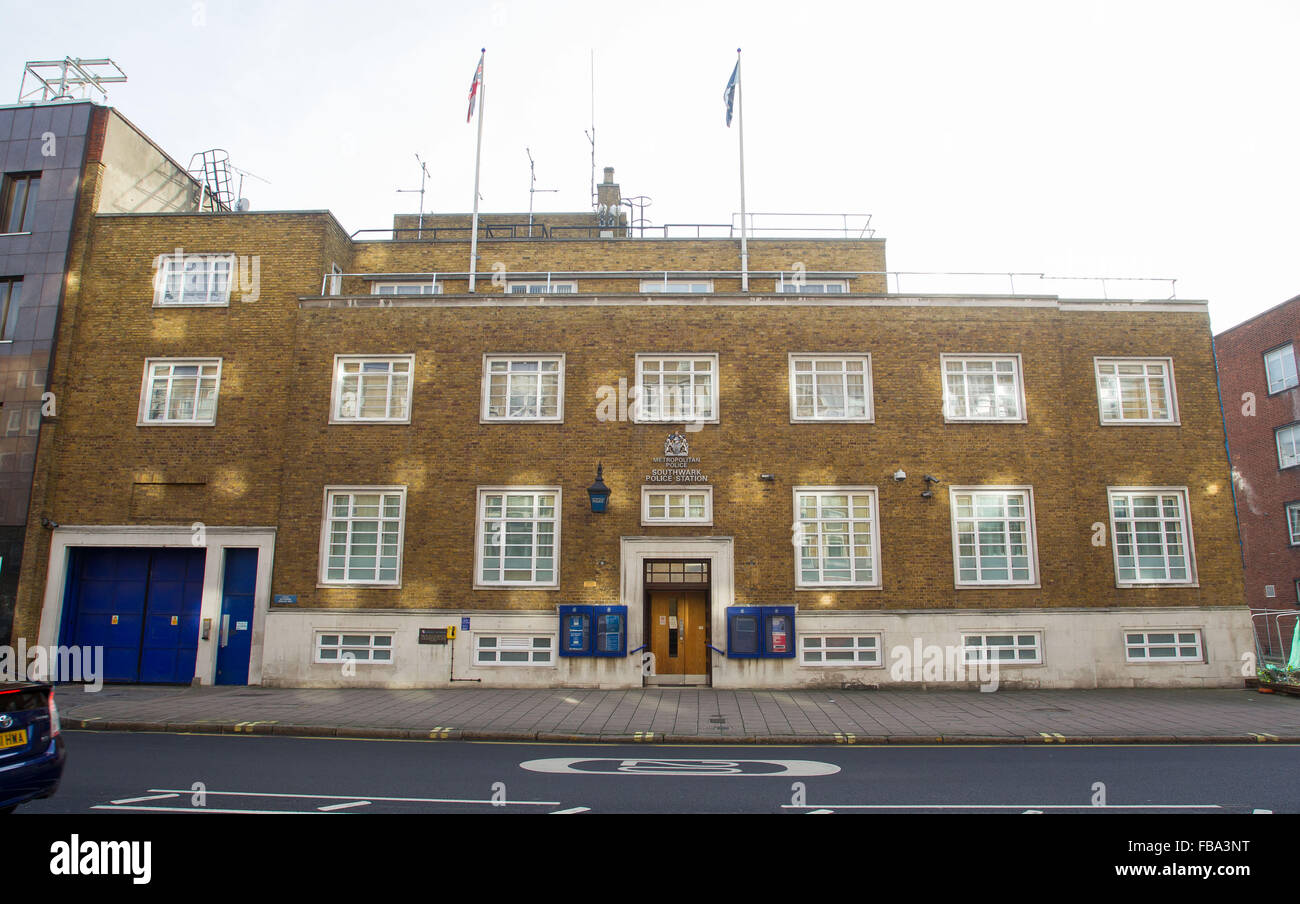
31 745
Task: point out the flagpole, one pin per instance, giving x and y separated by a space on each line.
744 238
478 156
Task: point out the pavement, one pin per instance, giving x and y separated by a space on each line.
698 715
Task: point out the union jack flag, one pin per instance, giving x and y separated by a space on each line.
473 86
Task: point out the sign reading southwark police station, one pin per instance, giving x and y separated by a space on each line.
676 465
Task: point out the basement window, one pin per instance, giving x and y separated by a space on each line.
1163 646
376 648
514 649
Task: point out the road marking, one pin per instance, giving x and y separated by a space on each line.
819 812
140 800
208 810
643 736
1022 807
845 738
1262 736
440 733
414 800
571 810
717 768
355 803
248 726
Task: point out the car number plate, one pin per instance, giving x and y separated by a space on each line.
13 739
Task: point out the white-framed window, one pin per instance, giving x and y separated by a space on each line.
523 388
518 537
676 505
1280 368
1018 648
514 649
982 388
1163 646
830 388
361 537
678 286
343 646
993 536
407 287
194 280
541 287
1288 446
813 287
180 391
370 389
837 538
677 388
1293 522
1152 536
1136 390
839 650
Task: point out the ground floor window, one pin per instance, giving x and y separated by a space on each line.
1022 649
1163 646
839 649
355 647
513 649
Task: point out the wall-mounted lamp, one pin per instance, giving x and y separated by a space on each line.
929 482
598 492
900 475
928 479
48 524
767 477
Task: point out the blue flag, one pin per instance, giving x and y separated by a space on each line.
729 95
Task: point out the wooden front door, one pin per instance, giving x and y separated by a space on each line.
679 633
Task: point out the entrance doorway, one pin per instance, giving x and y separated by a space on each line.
678 624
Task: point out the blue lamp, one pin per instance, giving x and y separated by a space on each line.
598 492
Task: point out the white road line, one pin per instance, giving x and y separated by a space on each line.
818 812
1005 806
206 810
573 810
355 803
140 800
413 800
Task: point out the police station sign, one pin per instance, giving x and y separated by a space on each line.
676 465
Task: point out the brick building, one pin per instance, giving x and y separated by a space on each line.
1261 398
60 163
287 455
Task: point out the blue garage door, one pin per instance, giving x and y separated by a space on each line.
141 606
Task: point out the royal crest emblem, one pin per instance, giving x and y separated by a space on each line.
675 446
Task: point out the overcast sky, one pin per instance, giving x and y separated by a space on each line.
1149 139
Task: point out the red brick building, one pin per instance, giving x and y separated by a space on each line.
1261 407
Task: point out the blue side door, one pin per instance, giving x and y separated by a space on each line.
235 638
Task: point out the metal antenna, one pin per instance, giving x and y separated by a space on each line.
591 136
533 189
424 173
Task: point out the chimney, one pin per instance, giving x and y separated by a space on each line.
609 200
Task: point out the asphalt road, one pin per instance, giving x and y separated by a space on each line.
141 773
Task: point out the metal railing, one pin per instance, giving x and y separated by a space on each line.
1274 634
897 282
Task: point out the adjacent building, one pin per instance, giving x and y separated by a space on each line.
286 454
1261 398
60 164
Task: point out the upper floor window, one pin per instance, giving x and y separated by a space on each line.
18 198
194 279
11 291
830 388
1293 522
407 287
180 391
1279 365
982 388
677 505
523 388
361 540
1288 445
541 287
677 388
813 287
993 535
519 536
1152 536
372 388
836 537
1136 390
684 286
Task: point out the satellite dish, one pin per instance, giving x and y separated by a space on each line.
242 205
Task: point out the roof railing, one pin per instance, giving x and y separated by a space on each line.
897 282
855 226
